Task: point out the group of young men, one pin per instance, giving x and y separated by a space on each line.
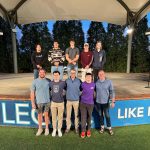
49 95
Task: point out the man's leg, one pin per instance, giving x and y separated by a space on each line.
89 110
53 68
60 117
83 74
76 113
36 73
69 67
68 118
76 69
61 70
40 118
83 116
54 118
100 111
107 116
46 116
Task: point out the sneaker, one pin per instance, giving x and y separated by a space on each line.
111 132
82 134
76 131
46 132
39 132
101 130
59 133
88 133
54 133
67 130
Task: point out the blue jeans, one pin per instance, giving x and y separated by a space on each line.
103 110
70 66
60 69
36 73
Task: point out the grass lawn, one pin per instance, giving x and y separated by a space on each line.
125 138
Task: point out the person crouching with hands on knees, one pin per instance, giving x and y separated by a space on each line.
104 92
40 90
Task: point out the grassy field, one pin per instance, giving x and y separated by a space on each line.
125 138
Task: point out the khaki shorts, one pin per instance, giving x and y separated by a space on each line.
43 107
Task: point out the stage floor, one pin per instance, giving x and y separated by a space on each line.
127 86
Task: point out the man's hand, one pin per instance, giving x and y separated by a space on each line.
74 63
87 67
39 67
112 105
56 64
33 106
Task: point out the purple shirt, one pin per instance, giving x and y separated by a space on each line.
87 92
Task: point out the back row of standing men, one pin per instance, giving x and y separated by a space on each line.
89 60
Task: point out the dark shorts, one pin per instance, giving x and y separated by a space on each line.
43 107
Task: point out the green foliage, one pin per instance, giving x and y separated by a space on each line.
140 61
33 34
96 33
6 59
116 46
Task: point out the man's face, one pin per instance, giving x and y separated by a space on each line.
42 74
72 74
99 45
72 44
56 45
56 76
101 75
86 48
88 78
38 48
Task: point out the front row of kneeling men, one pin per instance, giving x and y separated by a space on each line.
49 95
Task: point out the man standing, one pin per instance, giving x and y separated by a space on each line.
99 59
104 92
57 58
72 56
57 104
72 96
86 61
40 90
87 104
38 58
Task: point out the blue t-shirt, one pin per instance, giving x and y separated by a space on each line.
87 95
41 89
57 89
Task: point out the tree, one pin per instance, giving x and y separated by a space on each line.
6 54
32 35
116 48
96 33
60 33
75 32
140 54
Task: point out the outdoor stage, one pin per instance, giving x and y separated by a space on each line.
132 100
127 86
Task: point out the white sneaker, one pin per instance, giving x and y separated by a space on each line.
39 132
46 132
59 133
54 133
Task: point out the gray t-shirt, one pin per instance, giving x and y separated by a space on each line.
72 52
41 88
57 90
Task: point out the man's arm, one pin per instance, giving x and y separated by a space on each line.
112 95
32 96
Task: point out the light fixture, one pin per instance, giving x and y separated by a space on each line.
147 32
130 30
1 32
